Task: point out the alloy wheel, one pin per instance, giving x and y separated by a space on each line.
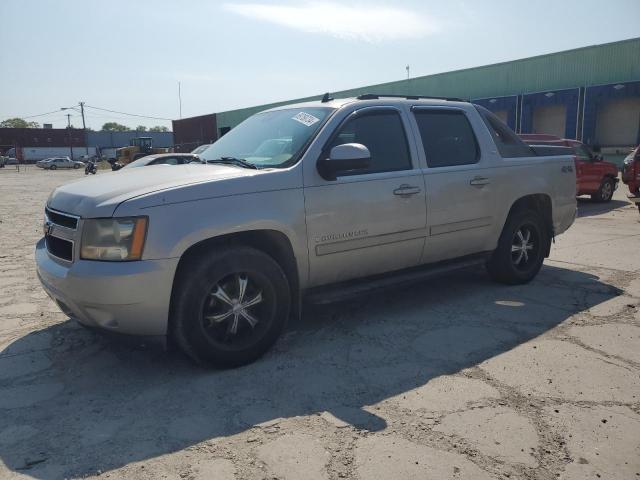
236 310
524 247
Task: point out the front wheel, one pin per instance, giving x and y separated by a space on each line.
521 249
52 167
76 166
605 192
230 306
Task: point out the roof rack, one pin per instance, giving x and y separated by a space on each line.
375 96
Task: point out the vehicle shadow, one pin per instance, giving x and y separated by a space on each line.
73 402
588 207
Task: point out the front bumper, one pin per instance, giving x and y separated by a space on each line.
124 297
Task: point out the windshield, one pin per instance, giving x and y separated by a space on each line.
269 139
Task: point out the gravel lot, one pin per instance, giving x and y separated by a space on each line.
453 378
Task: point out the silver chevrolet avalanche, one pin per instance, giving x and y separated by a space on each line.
320 199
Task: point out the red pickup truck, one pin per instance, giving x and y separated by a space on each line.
594 176
631 175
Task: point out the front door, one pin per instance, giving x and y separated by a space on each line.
373 221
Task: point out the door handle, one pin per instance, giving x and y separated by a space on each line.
406 190
479 181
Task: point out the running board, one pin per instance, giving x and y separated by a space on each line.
353 288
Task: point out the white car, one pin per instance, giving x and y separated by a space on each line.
165 159
58 162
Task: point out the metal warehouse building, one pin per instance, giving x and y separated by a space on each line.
590 94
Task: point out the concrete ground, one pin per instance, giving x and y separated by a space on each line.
452 378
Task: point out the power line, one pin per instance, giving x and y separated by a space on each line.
129 114
41 114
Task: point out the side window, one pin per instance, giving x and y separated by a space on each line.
447 137
582 153
508 143
383 134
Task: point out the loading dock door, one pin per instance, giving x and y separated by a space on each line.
550 119
618 122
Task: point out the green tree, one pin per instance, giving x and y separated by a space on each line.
114 127
159 128
141 128
18 123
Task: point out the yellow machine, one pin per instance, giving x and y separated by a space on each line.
138 147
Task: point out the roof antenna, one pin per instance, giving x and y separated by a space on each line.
326 98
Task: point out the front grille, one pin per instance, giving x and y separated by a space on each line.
58 247
61 219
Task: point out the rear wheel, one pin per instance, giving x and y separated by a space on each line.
605 192
230 306
76 166
521 249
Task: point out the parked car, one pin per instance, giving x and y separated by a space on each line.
8 161
164 159
200 149
594 175
370 191
631 175
59 162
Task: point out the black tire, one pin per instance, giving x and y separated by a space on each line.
197 301
76 166
605 192
514 267
53 167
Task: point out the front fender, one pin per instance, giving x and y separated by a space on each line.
174 228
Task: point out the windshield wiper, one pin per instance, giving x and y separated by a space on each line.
240 162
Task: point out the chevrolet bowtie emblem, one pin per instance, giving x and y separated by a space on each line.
47 228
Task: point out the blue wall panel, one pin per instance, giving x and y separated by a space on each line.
596 97
569 98
499 104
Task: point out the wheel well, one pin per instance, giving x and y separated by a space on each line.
540 203
273 243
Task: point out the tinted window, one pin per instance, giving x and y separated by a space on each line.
447 138
508 143
582 152
383 134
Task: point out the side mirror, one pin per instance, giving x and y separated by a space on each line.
349 157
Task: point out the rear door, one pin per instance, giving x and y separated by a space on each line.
459 182
373 221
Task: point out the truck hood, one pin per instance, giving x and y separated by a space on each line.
99 195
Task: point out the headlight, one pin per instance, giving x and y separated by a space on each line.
113 239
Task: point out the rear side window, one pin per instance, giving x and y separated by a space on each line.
383 134
447 138
508 143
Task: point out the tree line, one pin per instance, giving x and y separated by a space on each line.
107 127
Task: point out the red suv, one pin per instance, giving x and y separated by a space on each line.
631 175
594 176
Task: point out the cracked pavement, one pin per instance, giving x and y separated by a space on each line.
450 378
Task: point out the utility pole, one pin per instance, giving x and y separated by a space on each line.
180 99
69 134
407 72
84 129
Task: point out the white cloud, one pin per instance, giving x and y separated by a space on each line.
363 22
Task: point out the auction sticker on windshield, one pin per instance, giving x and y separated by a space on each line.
305 119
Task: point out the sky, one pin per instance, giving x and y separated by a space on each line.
128 56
